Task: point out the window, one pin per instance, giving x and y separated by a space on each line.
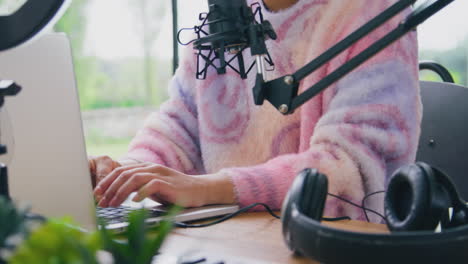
123 62
444 38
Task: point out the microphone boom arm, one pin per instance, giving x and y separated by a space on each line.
283 92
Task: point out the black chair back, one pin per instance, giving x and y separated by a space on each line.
444 131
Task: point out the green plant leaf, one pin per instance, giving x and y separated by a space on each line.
162 231
137 231
57 242
142 242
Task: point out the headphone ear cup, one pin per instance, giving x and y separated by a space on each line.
307 193
409 200
314 194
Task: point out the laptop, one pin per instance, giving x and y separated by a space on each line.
42 128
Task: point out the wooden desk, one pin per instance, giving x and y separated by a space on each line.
248 238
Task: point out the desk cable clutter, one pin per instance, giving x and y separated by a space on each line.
273 214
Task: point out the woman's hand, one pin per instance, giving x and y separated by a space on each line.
101 166
163 185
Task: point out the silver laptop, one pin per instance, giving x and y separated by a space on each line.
42 128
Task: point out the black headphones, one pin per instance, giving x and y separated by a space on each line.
416 201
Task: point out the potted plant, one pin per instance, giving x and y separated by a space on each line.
58 241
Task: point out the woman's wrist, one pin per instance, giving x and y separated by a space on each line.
219 189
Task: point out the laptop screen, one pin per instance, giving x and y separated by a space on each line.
42 129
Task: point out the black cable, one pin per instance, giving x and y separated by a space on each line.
242 210
178 36
363 202
336 218
363 208
226 217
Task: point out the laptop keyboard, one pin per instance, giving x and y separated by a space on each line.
112 215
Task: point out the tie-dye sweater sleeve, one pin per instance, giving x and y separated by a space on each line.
369 123
169 136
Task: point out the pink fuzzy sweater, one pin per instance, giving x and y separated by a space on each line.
357 132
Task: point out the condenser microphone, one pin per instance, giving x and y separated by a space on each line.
230 27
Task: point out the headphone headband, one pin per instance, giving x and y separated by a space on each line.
331 245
